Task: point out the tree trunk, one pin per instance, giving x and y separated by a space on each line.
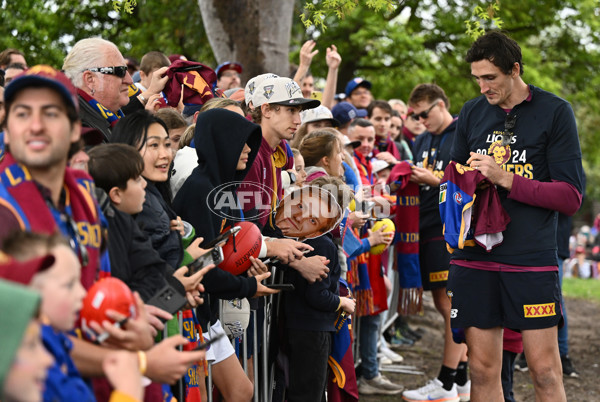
255 33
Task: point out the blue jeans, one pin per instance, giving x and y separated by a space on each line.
563 333
369 335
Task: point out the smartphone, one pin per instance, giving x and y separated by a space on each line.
209 342
214 256
318 95
222 237
171 298
281 286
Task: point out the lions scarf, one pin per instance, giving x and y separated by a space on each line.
407 240
195 79
341 385
112 118
21 195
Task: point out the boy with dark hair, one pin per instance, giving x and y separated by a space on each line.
123 177
117 169
379 113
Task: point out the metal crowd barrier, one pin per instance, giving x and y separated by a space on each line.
264 383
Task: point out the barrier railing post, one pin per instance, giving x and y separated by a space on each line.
180 327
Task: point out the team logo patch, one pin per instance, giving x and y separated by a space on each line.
268 91
539 310
457 197
443 191
501 154
461 169
235 303
291 88
438 276
251 88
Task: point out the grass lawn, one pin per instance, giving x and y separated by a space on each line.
582 288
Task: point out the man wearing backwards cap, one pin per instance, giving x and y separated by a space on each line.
228 75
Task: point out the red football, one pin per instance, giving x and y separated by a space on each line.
106 294
247 243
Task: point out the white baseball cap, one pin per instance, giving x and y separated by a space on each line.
281 91
318 113
253 83
378 165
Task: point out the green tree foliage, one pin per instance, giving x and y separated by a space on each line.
396 44
425 41
46 29
317 12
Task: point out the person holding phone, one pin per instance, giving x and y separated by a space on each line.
226 145
150 136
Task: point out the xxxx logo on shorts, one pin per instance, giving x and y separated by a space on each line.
539 310
438 276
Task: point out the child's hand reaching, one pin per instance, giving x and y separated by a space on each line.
380 237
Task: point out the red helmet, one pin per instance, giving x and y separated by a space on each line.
236 252
106 294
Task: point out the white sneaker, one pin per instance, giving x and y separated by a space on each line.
390 354
464 391
385 361
378 386
432 392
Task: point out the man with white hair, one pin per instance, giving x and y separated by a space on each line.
99 71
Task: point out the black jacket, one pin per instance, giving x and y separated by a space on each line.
219 136
90 117
313 306
132 257
155 222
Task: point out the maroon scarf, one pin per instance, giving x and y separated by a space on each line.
22 196
407 240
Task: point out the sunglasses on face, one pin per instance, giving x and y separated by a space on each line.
424 114
119 71
509 124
